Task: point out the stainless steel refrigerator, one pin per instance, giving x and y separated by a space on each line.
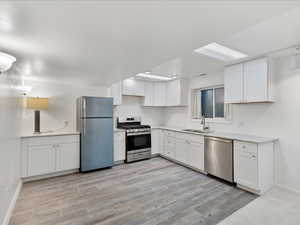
95 124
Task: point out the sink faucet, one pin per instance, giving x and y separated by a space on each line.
203 122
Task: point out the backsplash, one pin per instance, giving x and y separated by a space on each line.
133 106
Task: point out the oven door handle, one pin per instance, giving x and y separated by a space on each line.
136 134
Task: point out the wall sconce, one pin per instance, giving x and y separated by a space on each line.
6 61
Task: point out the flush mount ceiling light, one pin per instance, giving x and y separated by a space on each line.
220 52
147 75
6 62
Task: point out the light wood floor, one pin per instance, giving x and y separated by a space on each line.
149 192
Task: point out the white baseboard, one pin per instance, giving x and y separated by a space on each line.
49 175
288 188
12 204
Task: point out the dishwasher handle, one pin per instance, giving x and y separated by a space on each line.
219 139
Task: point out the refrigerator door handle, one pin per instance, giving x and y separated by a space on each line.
84 107
83 127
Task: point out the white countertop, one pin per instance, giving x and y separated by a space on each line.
233 136
50 134
119 130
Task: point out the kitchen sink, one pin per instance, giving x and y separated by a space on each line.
197 131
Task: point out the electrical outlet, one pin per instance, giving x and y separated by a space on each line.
66 123
241 124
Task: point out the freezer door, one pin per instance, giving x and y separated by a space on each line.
95 107
96 146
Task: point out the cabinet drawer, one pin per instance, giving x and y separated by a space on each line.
169 133
190 137
170 141
51 140
246 147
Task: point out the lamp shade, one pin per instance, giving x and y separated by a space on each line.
37 103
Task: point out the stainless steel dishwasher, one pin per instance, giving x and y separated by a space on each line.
219 157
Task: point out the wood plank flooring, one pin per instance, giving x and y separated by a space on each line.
151 192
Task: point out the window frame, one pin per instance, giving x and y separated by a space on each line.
227 107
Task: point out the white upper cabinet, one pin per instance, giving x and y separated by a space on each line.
149 94
159 94
256 81
156 94
133 87
116 93
171 93
233 84
248 82
176 93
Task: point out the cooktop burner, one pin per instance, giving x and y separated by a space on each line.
131 126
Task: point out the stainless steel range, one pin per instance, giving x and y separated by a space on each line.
138 138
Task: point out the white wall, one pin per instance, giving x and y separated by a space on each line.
132 106
10 118
62 105
280 119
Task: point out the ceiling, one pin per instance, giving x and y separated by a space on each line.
99 42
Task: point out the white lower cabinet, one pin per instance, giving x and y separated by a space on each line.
169 146
184 148
182 151
195 156
156 141
119 146
253 166
67 156
46 155
41 160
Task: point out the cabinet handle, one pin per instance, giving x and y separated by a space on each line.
243 146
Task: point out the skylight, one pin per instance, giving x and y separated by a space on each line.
154 77
220 52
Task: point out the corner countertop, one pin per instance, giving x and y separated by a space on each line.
50 134
233 136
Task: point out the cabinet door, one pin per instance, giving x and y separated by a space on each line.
128 87
159 94
119 146
149 94
116 93
170 151
173 93
67 156
246 164
195 155
133 87
41 160
182 147
155 141
140 88
233 84
256 80
169 146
